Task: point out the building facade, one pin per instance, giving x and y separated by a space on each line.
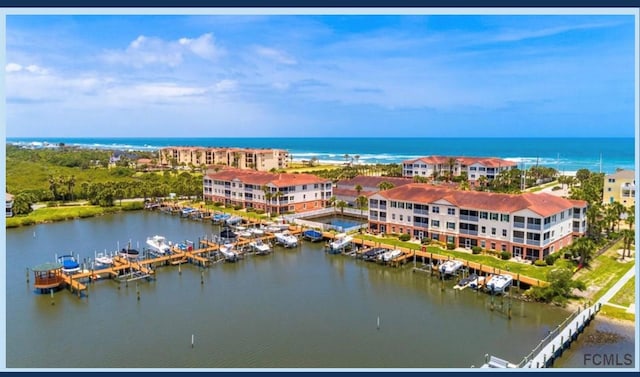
620 187
474 167
529 226
241 158
285 193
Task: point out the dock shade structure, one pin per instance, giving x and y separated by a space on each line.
48 276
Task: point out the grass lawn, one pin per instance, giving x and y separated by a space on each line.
616 313
627 295
603 272
49 214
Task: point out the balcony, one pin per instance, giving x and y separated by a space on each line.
469 232
518 225
373 218
533 242
421 225
373 206
384 207
576 229
534 226
576 215
420 211
518 240
469 218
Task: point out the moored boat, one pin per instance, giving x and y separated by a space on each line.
389 255
312 235
260 247
69 264
450 267
285 239
102 260
341 242
227 251
465 282
499 284
158 245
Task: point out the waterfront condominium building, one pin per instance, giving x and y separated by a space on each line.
242 158
529 226
620 187
345 189
284 192
438 166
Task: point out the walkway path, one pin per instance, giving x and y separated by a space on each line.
616 287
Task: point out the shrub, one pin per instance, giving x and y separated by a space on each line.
450 246
404 237
551 259
237 207
217 204
250 209
539 263
555 188
505 255
260 211
476 250
425 241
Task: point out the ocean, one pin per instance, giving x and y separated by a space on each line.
567 155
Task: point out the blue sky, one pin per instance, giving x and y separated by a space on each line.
313 75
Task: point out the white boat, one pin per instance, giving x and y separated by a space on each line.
233 220
341 242
69 264
499 283
286 239
260 247
478 282
390 255
102 260
450 267
256 231
227 251
158 245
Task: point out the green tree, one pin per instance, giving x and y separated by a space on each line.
584 248
361 202
22 203
358 189
560 286
419 179
628 236
385 185
341 204
268 195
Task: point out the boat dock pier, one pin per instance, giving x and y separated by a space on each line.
553 345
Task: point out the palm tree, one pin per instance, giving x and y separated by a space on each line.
332 201
361 202
71 183
584 248
53 186
267 199
451 162
419 179
628 235
616 209
341 204
631 216
385 185
346 157
358 189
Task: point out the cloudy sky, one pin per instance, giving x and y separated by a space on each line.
317 75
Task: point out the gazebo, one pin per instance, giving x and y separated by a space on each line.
48 276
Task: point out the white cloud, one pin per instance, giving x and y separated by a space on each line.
145 51
226 85
13 67
276 55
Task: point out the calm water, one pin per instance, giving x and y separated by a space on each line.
293 308
563 154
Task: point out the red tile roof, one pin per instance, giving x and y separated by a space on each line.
264 178
444 160
540 203
372 181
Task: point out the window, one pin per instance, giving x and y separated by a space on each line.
393 216
400 217
409 206
504 217
483 229
504 232
483 244
493 245
394 204
451 225
503 247
493 216
493 231
435 209
409 218
451 211
304 187
484 215
435 223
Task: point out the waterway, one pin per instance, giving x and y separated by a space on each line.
294 308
